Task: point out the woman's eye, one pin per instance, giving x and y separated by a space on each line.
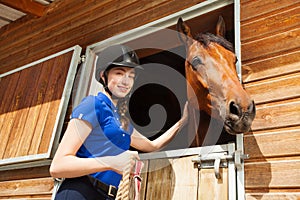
119 73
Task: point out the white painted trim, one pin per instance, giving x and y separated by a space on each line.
38 61
59 120
232 190
184 152
239 138
22 159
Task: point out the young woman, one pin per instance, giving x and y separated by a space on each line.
94 150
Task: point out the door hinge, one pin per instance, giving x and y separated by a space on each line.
219 160
82 59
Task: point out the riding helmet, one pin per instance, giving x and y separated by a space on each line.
113 56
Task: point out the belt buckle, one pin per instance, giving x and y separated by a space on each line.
110 191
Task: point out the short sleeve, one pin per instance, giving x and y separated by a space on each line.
86 111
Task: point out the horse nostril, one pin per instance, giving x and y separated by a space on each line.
234 109
252 108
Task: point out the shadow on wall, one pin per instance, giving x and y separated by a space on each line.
258 174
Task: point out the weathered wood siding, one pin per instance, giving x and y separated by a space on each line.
31 183
271 66
30 101
67 23
77 23
270 37
179 179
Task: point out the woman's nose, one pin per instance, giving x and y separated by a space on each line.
125 79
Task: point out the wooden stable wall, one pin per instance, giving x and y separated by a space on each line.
271 70
67 23
81 22
270 37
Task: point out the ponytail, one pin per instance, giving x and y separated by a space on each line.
122 110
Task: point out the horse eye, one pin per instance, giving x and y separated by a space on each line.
195 62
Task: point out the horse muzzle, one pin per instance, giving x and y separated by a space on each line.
239 120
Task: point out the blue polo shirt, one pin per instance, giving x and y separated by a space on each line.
107 137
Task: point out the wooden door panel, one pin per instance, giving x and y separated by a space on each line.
33 104
174 175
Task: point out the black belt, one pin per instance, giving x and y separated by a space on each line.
110 190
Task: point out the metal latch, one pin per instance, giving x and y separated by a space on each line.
219 160
82 59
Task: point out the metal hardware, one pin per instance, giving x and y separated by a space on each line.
217 168
218 160
82 59
238 157
110 190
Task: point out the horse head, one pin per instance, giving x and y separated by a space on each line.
211 72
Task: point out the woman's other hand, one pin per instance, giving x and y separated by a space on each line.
120 162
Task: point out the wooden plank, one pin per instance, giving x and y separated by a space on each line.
271 67
38 94
90 33
275 89
271 46
281 173
94 19
57 85
185 180
14 118
28 134
26 173
45 123
273 195
31 197
159 180
27 21
86 15
44 112
273 143
26 6
212 188
276 115
249 8
172 179
141 18
25 95
7 84
39 186
32 114
273 24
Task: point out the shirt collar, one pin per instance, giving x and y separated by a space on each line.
107 101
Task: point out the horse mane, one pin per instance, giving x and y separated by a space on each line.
206 38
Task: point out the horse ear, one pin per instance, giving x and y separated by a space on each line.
220 28
184 32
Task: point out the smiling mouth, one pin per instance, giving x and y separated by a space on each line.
123 89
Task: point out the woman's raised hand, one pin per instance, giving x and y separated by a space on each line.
185 115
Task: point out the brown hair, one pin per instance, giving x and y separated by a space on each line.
122 110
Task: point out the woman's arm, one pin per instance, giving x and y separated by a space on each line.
142 143
66 164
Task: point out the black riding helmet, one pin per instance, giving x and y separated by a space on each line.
114 56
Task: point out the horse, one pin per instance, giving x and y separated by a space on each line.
220 107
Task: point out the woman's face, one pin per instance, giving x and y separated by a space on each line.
120 80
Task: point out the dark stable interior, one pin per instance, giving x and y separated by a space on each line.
153 106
